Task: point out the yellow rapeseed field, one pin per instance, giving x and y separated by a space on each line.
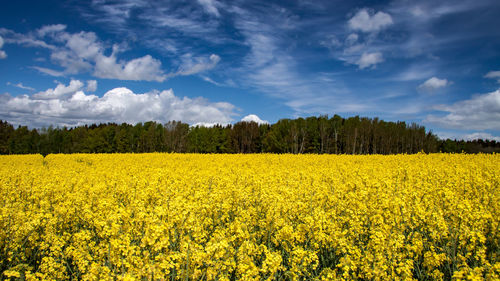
249 217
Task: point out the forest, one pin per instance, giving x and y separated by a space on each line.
321 135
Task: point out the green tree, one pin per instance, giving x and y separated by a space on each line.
6 133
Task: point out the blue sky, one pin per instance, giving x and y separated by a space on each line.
69 63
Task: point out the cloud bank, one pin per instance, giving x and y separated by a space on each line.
481 135
68 105
481 112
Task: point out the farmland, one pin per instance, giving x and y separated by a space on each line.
250 217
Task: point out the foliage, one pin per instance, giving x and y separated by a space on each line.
320 135
249 217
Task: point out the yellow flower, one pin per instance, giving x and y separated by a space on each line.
250 217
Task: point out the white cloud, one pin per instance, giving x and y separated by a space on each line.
481 135
49 71
116 12
161 20
91 85
270 68
368 22
415 71
210 80
60 91
362 45
181 20
83 52
70 106
433 84
28 40
481 112
2 53
206 124
20 86
84 45
351 39
72 63
48 29
331 42
493 75
425 11
210 6
191 65
254 118
145 68
369 59
467 137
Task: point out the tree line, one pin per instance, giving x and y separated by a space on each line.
335 135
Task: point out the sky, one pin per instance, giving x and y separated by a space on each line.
69 63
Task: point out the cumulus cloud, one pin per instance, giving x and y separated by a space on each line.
366 21
2 53
493 75
433 84
146 68
369 59
83 52
254 118
361 45
60 91
481 112
91 85
70 106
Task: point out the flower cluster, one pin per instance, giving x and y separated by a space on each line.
249 217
